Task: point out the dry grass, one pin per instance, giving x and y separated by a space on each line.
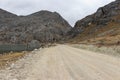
112 50
6 59
106 41
111 31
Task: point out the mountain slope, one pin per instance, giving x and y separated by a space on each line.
5 14
6 17
42 26
104 24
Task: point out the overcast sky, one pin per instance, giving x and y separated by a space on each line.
71 10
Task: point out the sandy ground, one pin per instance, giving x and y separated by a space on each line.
63 62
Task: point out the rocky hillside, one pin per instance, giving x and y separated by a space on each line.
104 25
5 18
39 27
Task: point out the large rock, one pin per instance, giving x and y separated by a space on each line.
34 44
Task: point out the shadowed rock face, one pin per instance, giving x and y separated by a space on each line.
43 26
102 17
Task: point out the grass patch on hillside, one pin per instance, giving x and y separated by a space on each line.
112 50
8 58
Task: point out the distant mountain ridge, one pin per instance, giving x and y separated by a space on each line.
43 27
49 27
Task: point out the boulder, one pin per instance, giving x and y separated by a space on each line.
34 44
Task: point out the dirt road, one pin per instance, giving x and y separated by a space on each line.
64 63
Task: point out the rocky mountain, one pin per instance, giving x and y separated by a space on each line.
104 24
42 27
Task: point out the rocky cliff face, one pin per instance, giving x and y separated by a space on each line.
43 26
106 19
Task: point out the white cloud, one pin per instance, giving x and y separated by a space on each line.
71 10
